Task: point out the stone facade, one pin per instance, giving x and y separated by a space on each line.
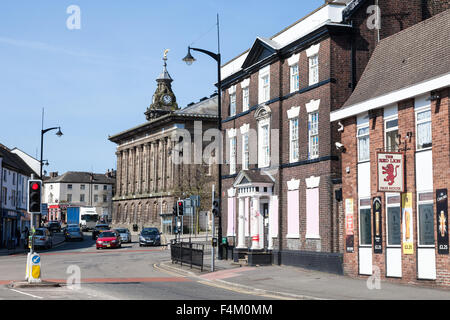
149 176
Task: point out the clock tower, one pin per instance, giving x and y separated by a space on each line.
164 100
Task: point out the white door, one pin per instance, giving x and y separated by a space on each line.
393 236
365 240
426 251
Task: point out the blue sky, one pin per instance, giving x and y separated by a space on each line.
99 80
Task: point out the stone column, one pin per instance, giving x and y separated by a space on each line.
241 226
126 170
155 166
255 221
119 173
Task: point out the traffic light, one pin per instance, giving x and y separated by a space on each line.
34 196
174 212
180 207
215 209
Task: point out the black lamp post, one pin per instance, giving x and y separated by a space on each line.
189 59
59 134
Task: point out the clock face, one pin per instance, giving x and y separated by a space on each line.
167 99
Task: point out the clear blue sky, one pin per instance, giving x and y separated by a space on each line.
99 80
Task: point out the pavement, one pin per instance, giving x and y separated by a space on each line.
288 282
58 238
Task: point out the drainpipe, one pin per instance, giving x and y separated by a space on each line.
280 184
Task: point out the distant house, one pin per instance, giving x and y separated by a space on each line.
15 174
78 189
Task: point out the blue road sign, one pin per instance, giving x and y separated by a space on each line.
36 259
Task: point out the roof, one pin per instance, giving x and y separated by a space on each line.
252 177
13 161
413 56
204 109
81 177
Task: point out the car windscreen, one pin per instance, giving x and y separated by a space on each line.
107 235
73 230
150 232
102 227
39 233
121 230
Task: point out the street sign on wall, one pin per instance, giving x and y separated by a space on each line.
390 172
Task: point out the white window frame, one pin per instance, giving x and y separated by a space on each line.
360 207
313 69
418 221
313 148
358 137
393 205
386 131
233 104
417 111
245 98
233 155
294 77
293 140
263 146
264 87
245 151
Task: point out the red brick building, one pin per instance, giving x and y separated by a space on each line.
282 176
395 132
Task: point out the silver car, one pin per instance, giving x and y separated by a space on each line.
43 238
125 234
73 233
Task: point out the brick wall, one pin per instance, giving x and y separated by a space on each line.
441 179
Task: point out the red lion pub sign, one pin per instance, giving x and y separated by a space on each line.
390 171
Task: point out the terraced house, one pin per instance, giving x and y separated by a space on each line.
282 178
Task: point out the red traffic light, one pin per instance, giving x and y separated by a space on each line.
180 203
35 186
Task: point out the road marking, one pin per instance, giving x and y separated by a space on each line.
253 291
28 294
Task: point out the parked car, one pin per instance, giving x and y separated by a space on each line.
108 239
73 233
150 236
98 228
43 238
125 234
54 226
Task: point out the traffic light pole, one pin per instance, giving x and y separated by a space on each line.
213 230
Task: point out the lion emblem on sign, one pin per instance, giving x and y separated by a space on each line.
389 172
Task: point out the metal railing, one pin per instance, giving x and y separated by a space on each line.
187 252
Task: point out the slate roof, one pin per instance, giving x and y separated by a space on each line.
412 56
13 161
81 177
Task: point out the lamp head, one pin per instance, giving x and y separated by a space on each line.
59 133
189 59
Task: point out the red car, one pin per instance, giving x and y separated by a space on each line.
108 239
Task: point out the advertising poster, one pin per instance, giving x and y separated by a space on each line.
349 239
407 223
442 220
377 226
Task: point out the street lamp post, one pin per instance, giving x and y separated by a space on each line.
43 131
189 59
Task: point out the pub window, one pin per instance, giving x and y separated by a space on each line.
245 99
393 220
423 129
365 223
232 104
363 144
391 132
426 219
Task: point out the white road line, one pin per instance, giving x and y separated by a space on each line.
28 294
